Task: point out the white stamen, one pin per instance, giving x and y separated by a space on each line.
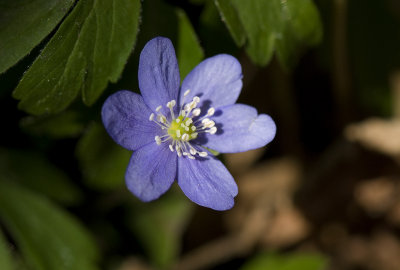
209 124
171 104
203 154
187 129
188 122
196 112
185 137
212 130
161 118
151 118
205 120
211 111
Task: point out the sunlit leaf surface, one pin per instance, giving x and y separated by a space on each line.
23 24
281 26
89 49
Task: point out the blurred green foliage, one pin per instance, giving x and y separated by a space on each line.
286 262
48 237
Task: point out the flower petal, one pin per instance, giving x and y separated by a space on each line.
158 73
151 171
217 81
207 182
126 119
240 129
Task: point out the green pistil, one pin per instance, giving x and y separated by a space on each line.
180 126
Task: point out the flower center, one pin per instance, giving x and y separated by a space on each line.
180 129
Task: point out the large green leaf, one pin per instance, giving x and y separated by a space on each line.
23 24
89 49
286 262
48 237
5 254
274 25
102 161
160 225
232 20
189 52
33 170
161 19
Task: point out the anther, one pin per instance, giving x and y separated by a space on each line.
193 151
158 108
194 135
171 104
161 118
186 93
209 124
211 111
205 120
212 130
171 148
188 122
151 118
191 157
196 99
157 139
193 128
203 154
196 112
185 137
178 133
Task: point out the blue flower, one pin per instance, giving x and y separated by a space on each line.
171 128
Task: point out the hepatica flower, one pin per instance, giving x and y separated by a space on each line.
170 129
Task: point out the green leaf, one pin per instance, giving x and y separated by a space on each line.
159 226
23 24
161 19
189 52
286 262
48 237
64 125
89 49
33 170
282 26
232 20
5 254
102 161
303 29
